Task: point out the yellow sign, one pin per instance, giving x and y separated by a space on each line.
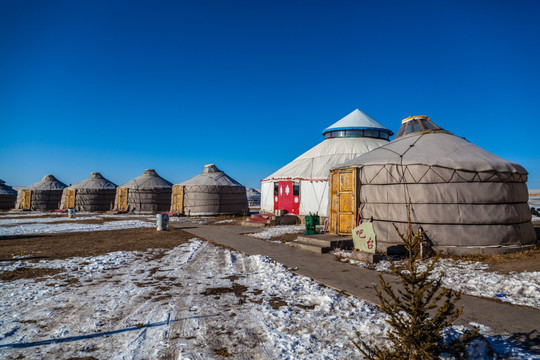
364 237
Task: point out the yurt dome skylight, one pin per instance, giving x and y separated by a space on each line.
416 124
357 124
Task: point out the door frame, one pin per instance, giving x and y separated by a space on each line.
343 195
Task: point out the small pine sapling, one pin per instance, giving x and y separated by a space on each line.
419 311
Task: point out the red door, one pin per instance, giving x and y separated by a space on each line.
287 196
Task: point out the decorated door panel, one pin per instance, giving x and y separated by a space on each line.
287 196
343 201
122 199
69 200
26 196
178 199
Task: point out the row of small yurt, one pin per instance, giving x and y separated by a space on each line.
301 187
8 196
467 199
211 193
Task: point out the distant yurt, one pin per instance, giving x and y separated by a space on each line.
301 186
93 194
43 195
210 193
146 193
467 199
253 197
8 196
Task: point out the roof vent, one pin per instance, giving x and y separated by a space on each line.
210 168
416 124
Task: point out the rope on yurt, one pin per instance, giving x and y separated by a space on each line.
406 191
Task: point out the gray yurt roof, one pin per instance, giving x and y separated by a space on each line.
6 189
436 148
95 181
211 175
148 180
49 182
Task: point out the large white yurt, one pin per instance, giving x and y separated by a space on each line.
93 194
146 193
467 199
8 196
43 195
212 192
301 186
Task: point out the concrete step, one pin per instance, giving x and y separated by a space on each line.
310 247
253 224
325 242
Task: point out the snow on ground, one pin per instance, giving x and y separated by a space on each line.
270 232
473 278
196 301
226 221
72 226
14 221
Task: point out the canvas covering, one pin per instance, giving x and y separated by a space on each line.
461 194
146 193
213 192
8 196
45 194
93 194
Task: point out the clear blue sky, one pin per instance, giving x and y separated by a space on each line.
120 86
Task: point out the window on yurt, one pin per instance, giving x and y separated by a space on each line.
296 189
276 188
416 124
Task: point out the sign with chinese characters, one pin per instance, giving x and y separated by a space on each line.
364 237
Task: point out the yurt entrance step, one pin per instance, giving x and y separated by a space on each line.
261 220
321 243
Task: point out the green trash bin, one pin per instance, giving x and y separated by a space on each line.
311 224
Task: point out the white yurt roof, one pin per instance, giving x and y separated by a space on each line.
356 120
96 181
315 164
212 176
436 148
148 180
49 182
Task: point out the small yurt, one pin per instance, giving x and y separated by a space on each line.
146 193
8 196
44 195
93 194
467 199
212 192
301 186
253 197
